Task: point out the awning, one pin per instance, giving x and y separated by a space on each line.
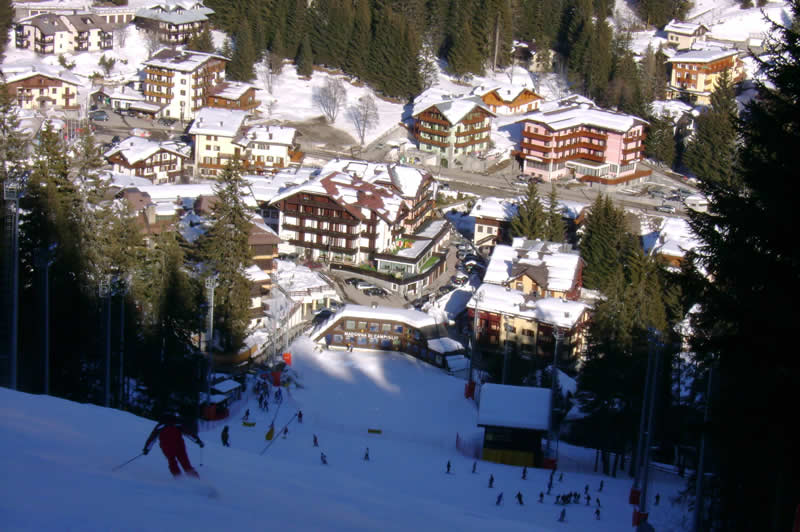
226 386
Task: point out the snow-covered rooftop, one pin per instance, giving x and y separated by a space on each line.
682 28
505 91
23 70
226 386
583 114
444 345
213 121
520 407
675 238
701 56
495 208
255 274
267 135
300 280
413 318
176 12
407 179
555 268
502 300
232 90
135 149
180 60
453 110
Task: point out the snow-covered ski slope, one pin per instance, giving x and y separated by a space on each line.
56 457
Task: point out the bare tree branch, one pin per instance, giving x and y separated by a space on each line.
264 71
330 98
364 115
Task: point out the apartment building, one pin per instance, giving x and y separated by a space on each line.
683 35
576 138
181 81
40 86
160 162
175 21
492 222
694 73
265 148
454 127
214 132
51 34
342 217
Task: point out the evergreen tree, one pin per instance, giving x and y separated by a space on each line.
13 146
711 153
660 142
625 92
530 221
202 41
749 260
599 58
603 244
304 59
463 57
555 223
358 47
244 56
6 21
295 27
225 251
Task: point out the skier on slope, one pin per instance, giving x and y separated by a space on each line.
170 431
225 437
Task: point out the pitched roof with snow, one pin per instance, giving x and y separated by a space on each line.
683 28
675 238
267 135
24 70
221 122
410 317
356 195
454 110
135 149
549 310
494 208
231 90
519 407
176 12
46 23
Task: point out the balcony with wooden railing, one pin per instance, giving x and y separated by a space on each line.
167 95
478 131
432 142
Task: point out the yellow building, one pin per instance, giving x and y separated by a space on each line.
682 35
693 74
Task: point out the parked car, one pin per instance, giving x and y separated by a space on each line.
445 289
100 116
167 121
321 316
458 281
116 139
538 180
376 291
363 285
666 208
139 132
352 281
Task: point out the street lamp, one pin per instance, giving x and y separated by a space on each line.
104 291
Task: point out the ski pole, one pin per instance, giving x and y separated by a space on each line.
128 462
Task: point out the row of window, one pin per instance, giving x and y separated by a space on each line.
488 229
363 326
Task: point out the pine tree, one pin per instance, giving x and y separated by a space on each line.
244 56
555 222
13 145
304 59
202 41
660 142
530 221
711 153
604 240
749 261
225 251
463 57
6 21
295 27
358 47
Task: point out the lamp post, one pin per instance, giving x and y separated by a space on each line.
210 285
43 258
557 335
104 291
698 490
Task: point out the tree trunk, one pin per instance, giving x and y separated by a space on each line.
614 467
596 459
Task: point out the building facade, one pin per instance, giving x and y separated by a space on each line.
42 87
233 95
213 132
454 127
694 74
54 34
160 162
581 140
492 222
266 148
175 21
510 100
181 81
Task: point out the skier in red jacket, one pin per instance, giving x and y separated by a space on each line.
170 431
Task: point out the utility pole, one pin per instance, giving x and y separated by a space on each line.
474 346
701 470
13 190
104 290
557 335
644 526
43 258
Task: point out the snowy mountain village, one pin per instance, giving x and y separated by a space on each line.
470 289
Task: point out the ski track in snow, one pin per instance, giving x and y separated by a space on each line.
62 453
